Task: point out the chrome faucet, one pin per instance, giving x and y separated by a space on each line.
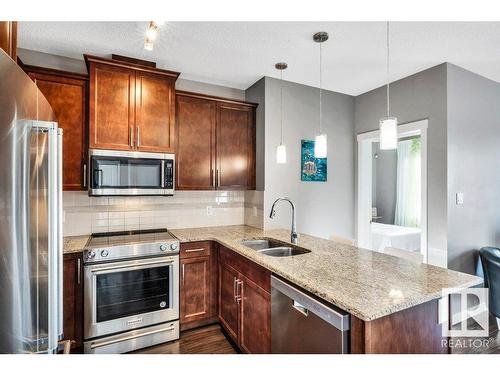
293 235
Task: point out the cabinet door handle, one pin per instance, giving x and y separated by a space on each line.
138 136
84 175
235 281
78 271
218 178
194 250
183 273
131 137
213 177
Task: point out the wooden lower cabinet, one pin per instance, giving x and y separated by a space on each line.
255 317
73 299
197 285
228 305
245 302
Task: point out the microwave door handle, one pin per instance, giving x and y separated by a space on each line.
162 174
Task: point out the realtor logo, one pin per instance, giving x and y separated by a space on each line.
471 318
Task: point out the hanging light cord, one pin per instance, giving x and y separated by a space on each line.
281 105
387 61
320 91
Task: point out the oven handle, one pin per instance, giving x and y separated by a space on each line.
115 341
135 265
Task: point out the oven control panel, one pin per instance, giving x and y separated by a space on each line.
112 253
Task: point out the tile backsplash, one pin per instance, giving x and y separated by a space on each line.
85 215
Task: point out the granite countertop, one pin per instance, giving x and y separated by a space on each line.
365 283
74 244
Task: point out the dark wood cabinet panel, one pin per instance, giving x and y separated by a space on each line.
215 143
131 106
255 331
228 306
111 107
258 274
66 94
198 284
155 108
195 149
235 147
8 38
73 299
195 296
245 302
393 334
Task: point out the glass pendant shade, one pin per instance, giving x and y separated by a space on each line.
388 133
320 146
281 154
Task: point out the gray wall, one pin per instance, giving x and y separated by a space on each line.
473 166
384 180
257 94
47 60
323 208
419 96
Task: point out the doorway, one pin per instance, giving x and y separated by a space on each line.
392 193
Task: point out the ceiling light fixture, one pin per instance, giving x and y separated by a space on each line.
281 149
151 34
320 143
388 125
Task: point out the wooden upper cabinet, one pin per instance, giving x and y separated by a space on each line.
66 94
8 38
155 108
215 143
112 107
235 147
131 107
195 150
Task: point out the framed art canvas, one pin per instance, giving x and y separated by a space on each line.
312 169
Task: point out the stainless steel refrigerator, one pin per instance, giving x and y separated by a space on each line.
30 216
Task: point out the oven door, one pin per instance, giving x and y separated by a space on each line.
127 295
130 173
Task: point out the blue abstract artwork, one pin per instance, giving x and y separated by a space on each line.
312 169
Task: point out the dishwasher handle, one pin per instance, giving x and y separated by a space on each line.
306 304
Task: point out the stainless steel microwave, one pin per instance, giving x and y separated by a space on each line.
130 173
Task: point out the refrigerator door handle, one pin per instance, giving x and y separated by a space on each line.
60 232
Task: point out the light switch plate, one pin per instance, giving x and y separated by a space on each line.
254 211
460 198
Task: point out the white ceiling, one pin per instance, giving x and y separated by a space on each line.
236 54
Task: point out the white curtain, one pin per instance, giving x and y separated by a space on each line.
408 195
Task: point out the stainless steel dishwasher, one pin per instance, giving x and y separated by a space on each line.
303 324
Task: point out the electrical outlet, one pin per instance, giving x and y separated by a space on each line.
460 198
210 211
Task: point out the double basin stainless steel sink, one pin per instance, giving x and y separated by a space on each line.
274 248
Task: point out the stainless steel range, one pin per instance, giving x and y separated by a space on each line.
131 290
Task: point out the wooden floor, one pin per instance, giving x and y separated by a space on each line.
204 340
211 340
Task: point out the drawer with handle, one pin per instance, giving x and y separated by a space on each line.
195 249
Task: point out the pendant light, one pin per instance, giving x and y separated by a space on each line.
320 143
388 125
281 149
